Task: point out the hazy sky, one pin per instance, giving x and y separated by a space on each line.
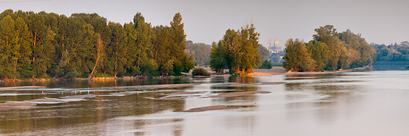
207 20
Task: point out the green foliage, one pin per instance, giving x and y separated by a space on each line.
71 75
26 71
41 44
177 67
217 57
200 51
200 72
134 70
329 50
264 53
297 57
266 65
238 50
103 75
166 67
392 52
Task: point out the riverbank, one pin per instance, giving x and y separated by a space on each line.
92 79
256 72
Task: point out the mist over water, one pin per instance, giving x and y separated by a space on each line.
354 103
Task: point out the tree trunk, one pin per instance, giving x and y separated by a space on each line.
96 63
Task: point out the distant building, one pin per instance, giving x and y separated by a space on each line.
274 48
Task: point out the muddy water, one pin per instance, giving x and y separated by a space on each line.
356 103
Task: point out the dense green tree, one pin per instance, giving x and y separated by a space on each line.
178 46
239 49
249 48
200 51
329 51
297 57
37 44
116 61
23 63
144 38
266 65
217 57
319 52
14 47
264 53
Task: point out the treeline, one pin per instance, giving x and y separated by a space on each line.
200 51
264 53
329 50
47 44
392 52
238 51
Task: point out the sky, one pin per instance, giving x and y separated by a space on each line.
205 21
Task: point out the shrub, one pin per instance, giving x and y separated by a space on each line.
266 65
200 72
71 75
103 75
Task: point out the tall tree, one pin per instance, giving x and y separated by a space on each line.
143 41
217 60
116 61
319 52
183 62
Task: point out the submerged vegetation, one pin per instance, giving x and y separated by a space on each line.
329 50
84 45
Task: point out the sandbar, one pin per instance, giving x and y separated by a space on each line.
87 96
17 105
152 86
235 94
21 87
208 108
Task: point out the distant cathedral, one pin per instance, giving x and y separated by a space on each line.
273 48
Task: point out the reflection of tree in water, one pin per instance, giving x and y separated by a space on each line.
243 122
72 115
118 82
219 79
328 96
243 80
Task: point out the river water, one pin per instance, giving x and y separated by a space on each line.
372 103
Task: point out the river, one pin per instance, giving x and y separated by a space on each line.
372 103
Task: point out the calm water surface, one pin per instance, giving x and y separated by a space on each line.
356 103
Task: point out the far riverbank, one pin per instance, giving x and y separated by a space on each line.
256 72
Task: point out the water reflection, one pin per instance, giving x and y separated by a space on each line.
75 114
327 94
340 104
